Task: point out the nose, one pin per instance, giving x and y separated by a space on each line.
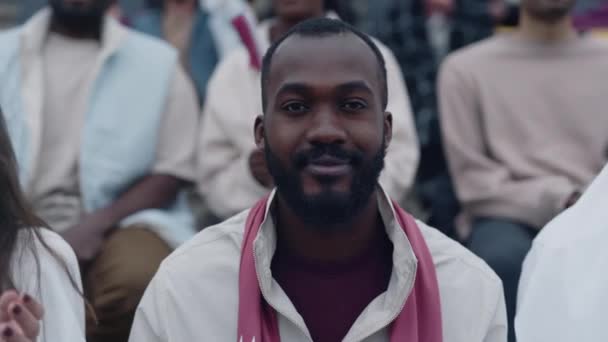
326 128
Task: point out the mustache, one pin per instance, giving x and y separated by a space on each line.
303 158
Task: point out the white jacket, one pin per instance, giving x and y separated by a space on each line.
226 134
563 291
194 295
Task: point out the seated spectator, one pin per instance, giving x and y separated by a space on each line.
524 123
562 292
35 263
232 171
328 256
419 33
103 121
189 28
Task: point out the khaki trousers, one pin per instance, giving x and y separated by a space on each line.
116 280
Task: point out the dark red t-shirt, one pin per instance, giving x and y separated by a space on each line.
331 296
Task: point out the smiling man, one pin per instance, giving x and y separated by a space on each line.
327 256
232 171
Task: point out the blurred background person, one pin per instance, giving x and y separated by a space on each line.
185 25
195 30
232 172
524 124
420 33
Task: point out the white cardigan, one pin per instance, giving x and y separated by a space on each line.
64 317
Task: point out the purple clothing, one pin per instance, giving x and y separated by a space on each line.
331 296
594 19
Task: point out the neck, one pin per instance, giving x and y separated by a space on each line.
332 243
92 32
282 25
532 29
188 6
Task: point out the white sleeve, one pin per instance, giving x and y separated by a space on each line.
542 298
497 330
401 162
58 287
224 176
150 323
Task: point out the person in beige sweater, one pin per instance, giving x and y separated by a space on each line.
232 171
525 127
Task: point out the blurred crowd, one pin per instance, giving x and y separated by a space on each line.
494 134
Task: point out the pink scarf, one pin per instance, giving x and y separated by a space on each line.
419 321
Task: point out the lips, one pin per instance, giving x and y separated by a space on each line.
328 166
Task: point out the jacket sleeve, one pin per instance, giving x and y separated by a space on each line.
543 310
497 329
484 186
150 320
225 178
401 162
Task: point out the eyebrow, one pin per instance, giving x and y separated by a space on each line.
355 86
298 88
301 88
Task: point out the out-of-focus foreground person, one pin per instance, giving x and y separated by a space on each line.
524 123
41 297
103 121
562 292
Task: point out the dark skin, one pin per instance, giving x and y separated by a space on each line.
289 14
151 191
330 97
82 5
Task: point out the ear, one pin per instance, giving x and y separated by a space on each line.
388 129
258 132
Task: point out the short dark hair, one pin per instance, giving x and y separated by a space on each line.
324 27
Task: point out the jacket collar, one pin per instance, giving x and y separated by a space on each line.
380 312
36 29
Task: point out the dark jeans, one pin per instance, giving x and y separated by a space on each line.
503 244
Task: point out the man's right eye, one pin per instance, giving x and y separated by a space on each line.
295 107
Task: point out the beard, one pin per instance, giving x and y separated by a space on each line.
328 208
548 13
85 19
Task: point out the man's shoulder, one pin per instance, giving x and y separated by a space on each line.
218 244
452 258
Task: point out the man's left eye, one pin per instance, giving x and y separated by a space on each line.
353 105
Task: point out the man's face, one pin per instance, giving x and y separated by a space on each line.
298 10
548 10
79 13
324 131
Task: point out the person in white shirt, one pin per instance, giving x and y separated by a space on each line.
232 172
41 297
563 288
327 256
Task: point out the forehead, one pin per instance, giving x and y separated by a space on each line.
324 62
